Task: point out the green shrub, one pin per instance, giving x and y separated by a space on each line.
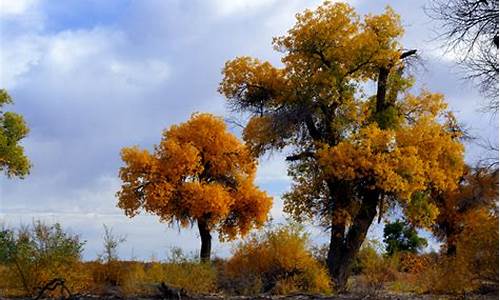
34 255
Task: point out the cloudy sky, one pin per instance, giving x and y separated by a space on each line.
91 77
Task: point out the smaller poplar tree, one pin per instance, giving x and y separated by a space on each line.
199 173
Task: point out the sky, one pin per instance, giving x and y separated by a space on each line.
91 77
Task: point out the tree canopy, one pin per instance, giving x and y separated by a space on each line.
198 173
13 128
355 151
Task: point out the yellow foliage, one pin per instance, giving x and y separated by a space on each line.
375 269
277 261
76 276
417 154
193 277
198 171
335 33
475 262
399 146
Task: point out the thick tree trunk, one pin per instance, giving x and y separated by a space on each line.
345 242
344 246
335 254
206 240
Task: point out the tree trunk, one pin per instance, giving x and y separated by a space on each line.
206 240
345 242
345 246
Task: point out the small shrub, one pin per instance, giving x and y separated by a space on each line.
375 269
276 261
107 275
180 272
107 271
34 255
413 263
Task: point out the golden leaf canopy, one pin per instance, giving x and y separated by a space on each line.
199 171
347 139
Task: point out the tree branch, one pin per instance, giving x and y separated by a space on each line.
299 156
407 53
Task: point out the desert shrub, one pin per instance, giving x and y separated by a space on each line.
412 267
375 269
179 271
276 261
34 255
193 277
107 271
475 263
413 263
107 274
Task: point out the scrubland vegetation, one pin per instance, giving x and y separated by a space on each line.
279 260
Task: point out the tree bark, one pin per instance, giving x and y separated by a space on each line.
382 89
345 244
206 240
346 241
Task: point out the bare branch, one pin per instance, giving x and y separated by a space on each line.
300 156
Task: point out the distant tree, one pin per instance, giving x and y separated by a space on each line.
13 128
470 30
399 236
200 173
353 153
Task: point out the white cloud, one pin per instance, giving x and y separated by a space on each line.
284 18
140 73
16 7
70 49
79 55
18 56
232 7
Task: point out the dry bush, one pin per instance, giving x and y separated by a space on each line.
411 269
180 272
106 275
413 263
475 264
375 270
276 261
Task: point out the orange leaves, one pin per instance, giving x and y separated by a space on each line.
476 195
199 170
249 203
206 199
